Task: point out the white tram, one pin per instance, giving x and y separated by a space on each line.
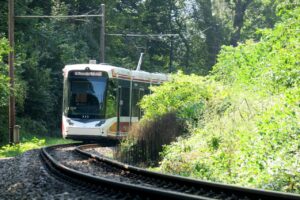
101 101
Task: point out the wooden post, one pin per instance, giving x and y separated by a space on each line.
12 119
16 134
102 35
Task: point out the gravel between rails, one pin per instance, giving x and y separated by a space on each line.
68 157
25 177
107 152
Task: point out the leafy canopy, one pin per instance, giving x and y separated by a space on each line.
4 49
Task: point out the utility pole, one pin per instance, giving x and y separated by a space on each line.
102 35
11 39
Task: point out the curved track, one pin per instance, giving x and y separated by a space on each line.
138 183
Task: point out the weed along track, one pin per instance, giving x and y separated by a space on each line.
95 173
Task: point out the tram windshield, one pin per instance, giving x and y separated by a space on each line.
86 97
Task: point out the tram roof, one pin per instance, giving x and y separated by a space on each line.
119 72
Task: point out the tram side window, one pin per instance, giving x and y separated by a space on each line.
135 99
125 97
138 91
145 92
111 102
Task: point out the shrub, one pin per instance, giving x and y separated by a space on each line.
270 66
4 87
170 108
254 143
184 95
145 140
34 127
13 150
250 131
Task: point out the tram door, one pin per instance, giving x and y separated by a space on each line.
128 97
141 94
123 100
138 92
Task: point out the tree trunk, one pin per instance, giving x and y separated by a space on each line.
238 21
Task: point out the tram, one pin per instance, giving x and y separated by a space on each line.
101 101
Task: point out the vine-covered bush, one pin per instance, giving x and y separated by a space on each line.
250 136
255 142
185 95
169 110
269 66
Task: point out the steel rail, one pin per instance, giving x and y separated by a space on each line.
228 189
149 193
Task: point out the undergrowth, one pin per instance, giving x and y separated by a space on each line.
249 131
29 142
244 118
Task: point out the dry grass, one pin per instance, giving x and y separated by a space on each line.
145 140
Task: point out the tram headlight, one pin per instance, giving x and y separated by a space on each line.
70 122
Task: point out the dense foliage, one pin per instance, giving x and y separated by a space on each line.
243 119
44 46
3 73
249 131
4 88
183 94
271 65
29 142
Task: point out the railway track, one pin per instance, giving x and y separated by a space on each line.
120 181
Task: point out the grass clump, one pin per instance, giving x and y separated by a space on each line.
29 142
146 140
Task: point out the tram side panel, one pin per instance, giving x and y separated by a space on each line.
129 94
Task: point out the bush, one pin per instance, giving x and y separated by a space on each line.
184 95
145 140
34 127
170 108
253 143
4 86
270 66
249 132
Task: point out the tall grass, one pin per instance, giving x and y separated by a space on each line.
29 142
147 139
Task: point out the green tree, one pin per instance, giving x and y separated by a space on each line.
239 7
249 131
4 86
4 90
44 46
